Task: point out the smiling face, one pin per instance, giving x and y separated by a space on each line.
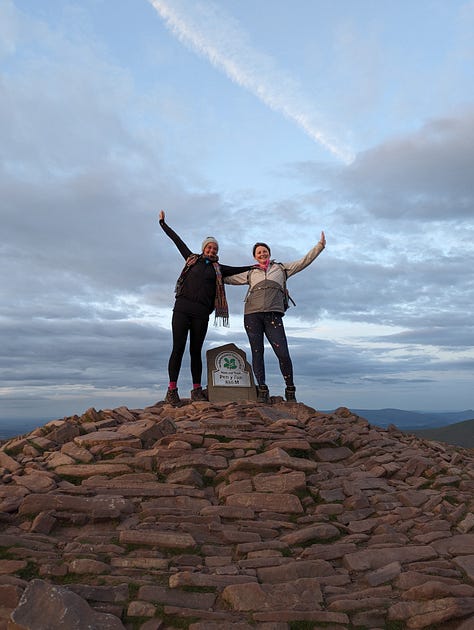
261 254
210 251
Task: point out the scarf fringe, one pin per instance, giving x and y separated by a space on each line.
221 306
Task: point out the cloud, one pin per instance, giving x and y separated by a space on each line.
213 34
425 175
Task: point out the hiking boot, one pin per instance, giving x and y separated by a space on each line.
197 395
262 393
172 397
290 393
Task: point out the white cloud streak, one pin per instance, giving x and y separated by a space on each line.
207 30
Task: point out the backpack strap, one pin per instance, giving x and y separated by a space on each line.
286 294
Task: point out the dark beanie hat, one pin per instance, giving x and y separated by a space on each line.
260 245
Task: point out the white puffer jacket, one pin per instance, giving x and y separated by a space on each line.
266 288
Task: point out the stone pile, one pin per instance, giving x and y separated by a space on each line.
234 515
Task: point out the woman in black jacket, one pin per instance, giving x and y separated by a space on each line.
199 292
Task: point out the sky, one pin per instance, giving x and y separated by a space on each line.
249 121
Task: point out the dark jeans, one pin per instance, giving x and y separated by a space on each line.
270 325
183 324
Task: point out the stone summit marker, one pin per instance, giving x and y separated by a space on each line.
229 375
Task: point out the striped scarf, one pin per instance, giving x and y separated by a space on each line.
220 303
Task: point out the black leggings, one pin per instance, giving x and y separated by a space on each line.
271 325
182 324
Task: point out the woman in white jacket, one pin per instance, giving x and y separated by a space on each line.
264 311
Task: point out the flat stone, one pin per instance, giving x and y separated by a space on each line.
175 597
77 453
283 483
385 574
148 430
459 544
299 594
272 502
96 507
192 504
466 524
235 487
357 603
43 523
274 458
228 511
370 559
11 566
44 606
165 539
194 460
335 454
245 597
106 594
414 498
431 612
150 564
317 616
107 438
9 463
294 571
466 563
137 608
321 531
89 470
88 566
434 589
186 578
36 482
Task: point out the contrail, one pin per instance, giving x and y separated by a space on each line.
211 33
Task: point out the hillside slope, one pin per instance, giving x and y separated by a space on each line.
459 434
236 516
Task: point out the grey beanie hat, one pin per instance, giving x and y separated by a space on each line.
207 240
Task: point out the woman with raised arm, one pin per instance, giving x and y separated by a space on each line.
199 291
264 310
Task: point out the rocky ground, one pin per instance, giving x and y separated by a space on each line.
234 515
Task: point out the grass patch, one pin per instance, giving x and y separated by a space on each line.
319 541
198 589
426 486
133 589
5 553
224 439
300 453
452 500
30 572
40 449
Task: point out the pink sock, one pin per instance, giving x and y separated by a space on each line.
172 385
196 385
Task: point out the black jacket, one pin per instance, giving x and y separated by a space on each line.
198 293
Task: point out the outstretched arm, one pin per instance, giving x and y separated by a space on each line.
180 244
299 265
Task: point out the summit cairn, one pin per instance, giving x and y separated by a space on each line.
234 515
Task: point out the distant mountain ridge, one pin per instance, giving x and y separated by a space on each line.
458 434
413 419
